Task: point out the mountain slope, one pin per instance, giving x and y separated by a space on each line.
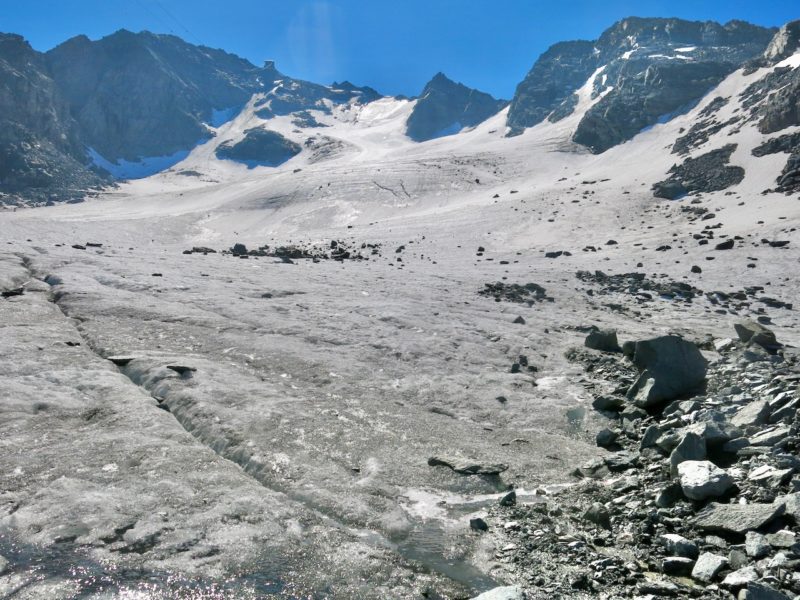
646 70
41 156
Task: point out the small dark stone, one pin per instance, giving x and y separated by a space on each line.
478 524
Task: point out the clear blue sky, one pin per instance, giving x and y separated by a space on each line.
393 45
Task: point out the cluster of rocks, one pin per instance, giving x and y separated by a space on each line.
699 495
645 289
639 286
528 293
709 172
335 250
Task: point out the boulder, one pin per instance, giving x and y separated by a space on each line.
755 413
792 506
740 578
708 566
606 437
755 545
604 340
751 332
770 437
670 367
677 545
465 467
691 447
761 591
701 479
737 518
677 565
599 515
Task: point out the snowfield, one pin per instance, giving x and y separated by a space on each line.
286 451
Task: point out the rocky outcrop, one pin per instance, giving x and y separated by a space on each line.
652 69
259 147
141 94
706 173
446 107
41 157
551 83
785 43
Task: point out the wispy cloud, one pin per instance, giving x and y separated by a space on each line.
311 40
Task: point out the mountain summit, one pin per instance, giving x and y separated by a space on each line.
446 107
639 72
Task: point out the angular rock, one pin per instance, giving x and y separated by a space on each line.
599 515
478 524
707 566
464 467
606 437
691 447
755 545
677 565
604 340
740 577
609 403
781 539
755 413
751 332
761 591
701 479
737 518
677 545
670 367
791 503
510 499
770 437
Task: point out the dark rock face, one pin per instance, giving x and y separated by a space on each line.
259 147
140 95
445 107
40 153
550 83
707 173
652 69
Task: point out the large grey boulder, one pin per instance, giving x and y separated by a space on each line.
691 447
707 566
702 479
603 339
751 332
466 467
761 591
677 545
670 367
737 518
755 413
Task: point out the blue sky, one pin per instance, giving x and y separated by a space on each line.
392 45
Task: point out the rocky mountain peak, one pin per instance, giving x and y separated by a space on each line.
785 43
445 107
652 69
